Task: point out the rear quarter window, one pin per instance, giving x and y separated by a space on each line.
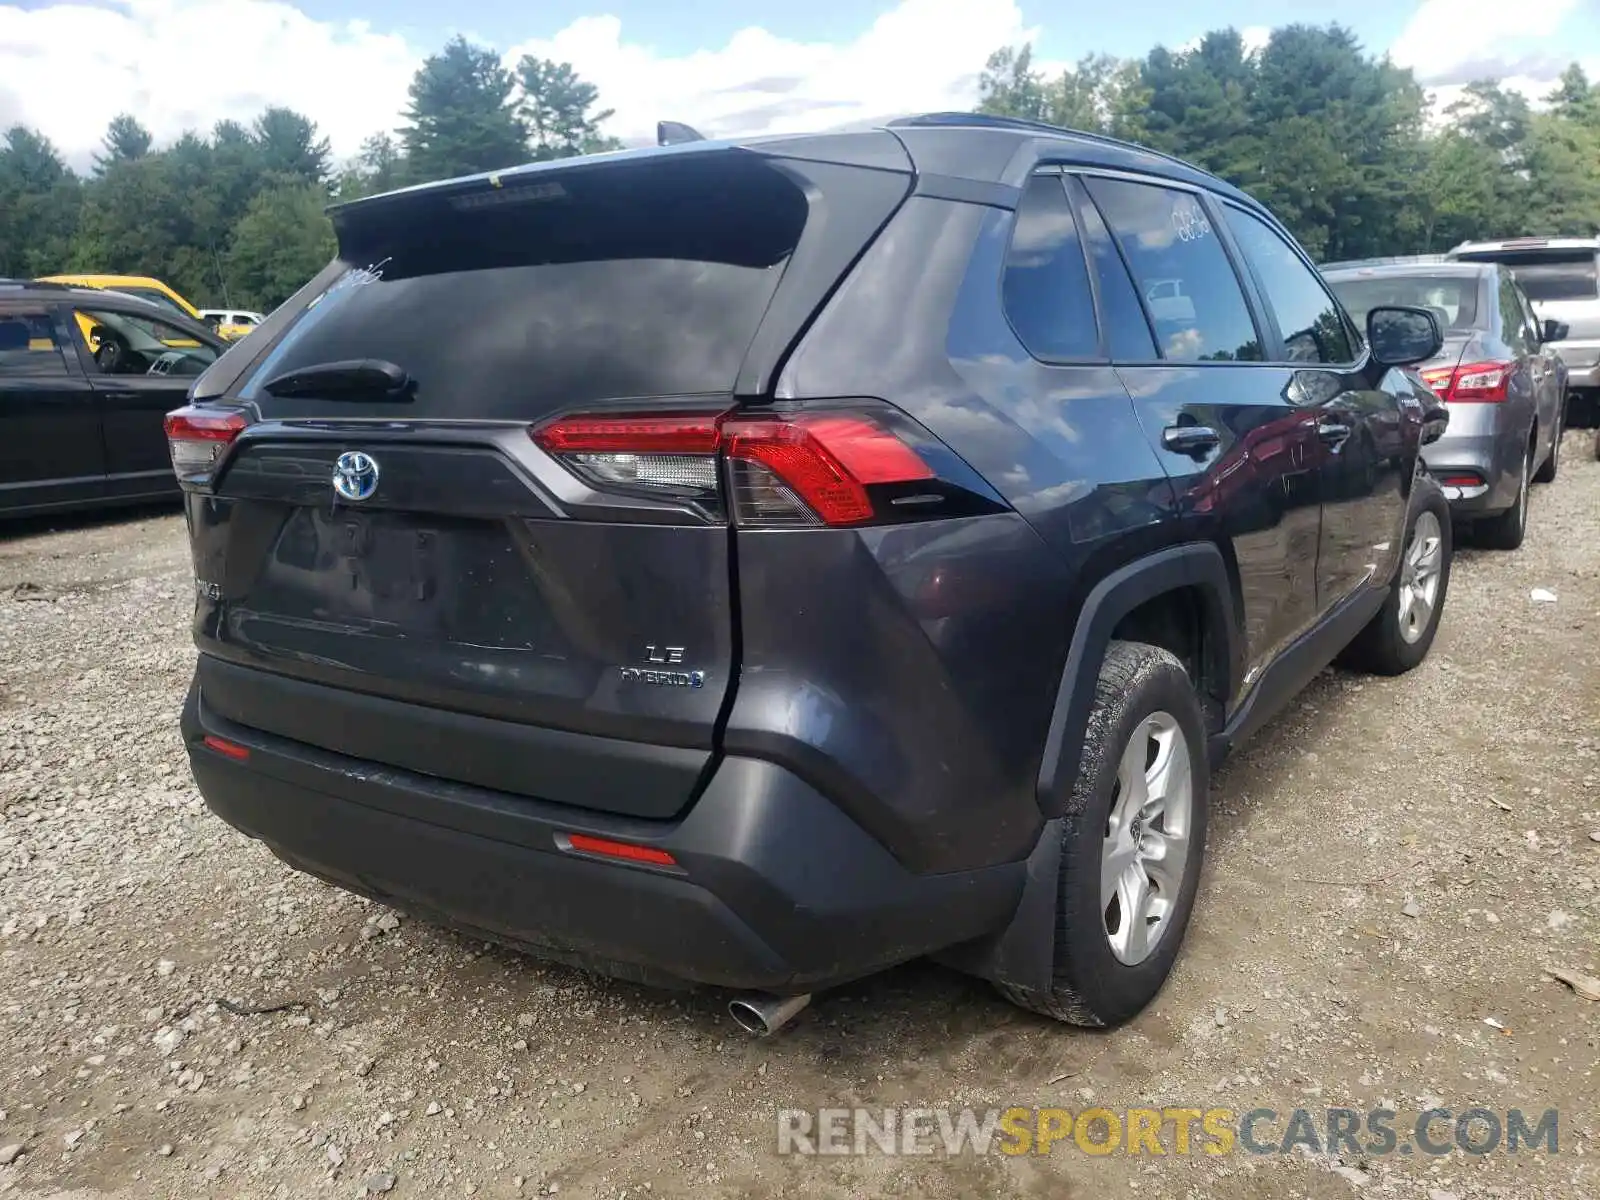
1046 286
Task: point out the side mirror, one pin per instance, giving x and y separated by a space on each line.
1552 330
1435 420
1402 336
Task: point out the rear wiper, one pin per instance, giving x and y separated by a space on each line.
353 379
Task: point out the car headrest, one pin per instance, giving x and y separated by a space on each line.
13 335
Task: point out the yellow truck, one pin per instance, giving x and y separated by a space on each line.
146 288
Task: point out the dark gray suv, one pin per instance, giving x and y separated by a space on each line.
757 564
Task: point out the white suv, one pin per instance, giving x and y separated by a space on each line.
1561 276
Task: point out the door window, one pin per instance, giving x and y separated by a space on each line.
1127 329
1513 321
1046 285
1313 329
28 345
1190 289
126 344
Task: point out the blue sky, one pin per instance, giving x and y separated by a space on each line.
725 66
1067 30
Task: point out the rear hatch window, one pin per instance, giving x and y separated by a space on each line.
513 302
1549 274
1453 299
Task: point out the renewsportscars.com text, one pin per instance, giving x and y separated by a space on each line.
1164 1131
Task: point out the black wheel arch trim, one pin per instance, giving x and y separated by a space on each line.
1197 565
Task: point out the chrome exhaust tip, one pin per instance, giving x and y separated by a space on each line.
765 1015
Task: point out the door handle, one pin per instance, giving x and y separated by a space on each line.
1333 432
1194 440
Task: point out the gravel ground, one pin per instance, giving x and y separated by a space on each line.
1392 862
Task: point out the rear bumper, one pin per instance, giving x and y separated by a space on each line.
1490 456
775 888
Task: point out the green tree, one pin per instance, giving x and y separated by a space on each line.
125 141
1575 98
1563 180
288 146
1101 94
462 117
555 106
283 239
380 166
39 202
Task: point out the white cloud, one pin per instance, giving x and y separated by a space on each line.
185 64
920 55
163 61
1445 36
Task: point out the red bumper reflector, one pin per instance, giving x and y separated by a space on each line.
226 748
606 848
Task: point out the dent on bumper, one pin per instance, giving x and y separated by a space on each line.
775 889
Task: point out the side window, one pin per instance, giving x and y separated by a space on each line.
1513 321
1189 286
1127 331
133 344
28 345
1309 318
1046 287
1529 318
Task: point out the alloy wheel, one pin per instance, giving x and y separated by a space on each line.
1419 576
1146 848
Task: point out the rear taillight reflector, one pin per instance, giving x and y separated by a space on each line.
626 851
226 748
1461 480
788 469
198 437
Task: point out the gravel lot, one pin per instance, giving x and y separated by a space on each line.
1392 862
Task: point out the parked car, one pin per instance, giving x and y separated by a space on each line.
818 557
1496 372
231 323
86 377
142 286
1561 276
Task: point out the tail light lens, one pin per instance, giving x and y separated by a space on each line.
786 470
1481 382
198 437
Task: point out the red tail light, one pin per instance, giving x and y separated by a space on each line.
197 438
1482 382
798 469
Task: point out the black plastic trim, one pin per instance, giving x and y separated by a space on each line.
642 779
1296 666
968 191
1196 564
777 889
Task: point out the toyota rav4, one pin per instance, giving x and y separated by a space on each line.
758 564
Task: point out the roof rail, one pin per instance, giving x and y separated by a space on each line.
49 285
1024 124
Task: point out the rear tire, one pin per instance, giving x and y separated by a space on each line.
1113 955
1398 638
1506 530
